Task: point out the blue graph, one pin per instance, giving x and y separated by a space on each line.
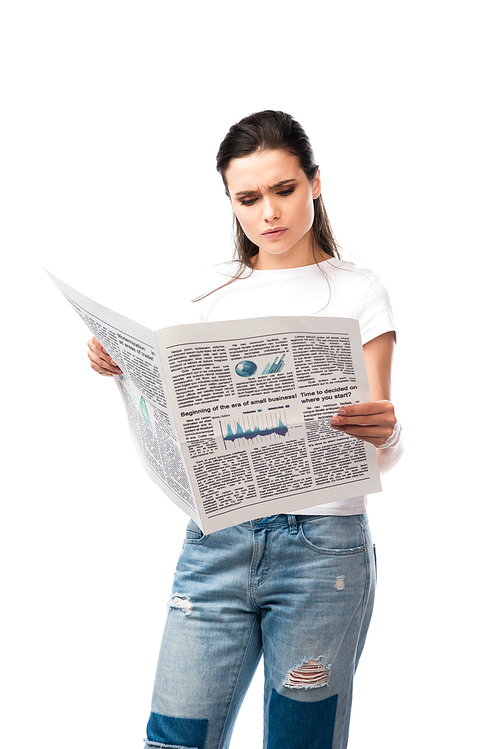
250 434
254 430
276 366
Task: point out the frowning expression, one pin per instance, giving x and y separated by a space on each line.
273 201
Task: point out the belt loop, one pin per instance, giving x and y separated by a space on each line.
292 524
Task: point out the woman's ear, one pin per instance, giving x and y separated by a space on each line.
316 185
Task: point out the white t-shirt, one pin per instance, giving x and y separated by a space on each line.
334 288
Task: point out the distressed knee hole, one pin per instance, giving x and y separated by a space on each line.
181 602
310 674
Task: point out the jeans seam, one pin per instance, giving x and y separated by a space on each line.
228 711
330 552
364 525
368 576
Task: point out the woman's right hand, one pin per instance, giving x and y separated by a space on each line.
100 360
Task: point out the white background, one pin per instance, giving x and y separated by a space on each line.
112 113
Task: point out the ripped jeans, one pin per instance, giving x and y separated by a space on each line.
297 589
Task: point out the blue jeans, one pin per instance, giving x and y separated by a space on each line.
297 589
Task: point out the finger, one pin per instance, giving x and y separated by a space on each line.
98 349
100 352
101 367
100 371
366 414
377 438
98 357
97 346
374 432
359 419
103 364
372 407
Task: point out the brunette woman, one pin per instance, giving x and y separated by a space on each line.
296 588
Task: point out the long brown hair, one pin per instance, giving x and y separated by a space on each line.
272 130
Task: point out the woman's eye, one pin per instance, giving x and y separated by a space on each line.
282 193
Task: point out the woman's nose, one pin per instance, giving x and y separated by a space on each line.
271 212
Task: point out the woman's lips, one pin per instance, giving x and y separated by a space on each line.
274 233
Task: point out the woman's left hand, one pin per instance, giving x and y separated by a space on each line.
372 422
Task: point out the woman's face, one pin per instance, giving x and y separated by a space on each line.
273 201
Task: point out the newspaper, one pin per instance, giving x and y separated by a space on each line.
232 419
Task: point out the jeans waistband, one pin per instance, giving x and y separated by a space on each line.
277 521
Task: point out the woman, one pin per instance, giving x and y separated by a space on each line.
296 588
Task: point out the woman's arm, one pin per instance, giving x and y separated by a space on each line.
376 422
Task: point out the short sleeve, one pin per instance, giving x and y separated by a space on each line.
374 311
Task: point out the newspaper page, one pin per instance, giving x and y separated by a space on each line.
232 419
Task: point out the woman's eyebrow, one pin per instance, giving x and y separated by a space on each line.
273 187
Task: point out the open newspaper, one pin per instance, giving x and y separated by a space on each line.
232 419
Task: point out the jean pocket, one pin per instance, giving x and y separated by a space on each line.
333 534
194 534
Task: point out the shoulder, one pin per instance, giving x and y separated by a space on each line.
372 303
358 292
346 272
351 282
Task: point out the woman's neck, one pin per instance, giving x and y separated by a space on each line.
265 261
